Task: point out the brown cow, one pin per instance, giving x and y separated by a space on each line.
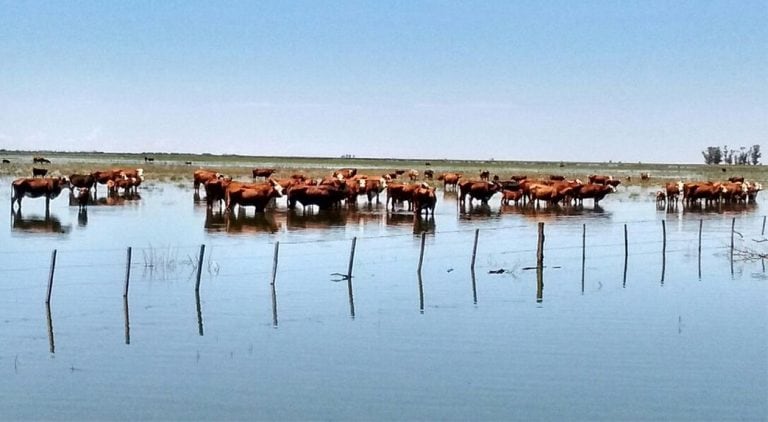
752 191
257 195
413 174
596 192
449 179
707 191
547 193
373 187
672 191
41 160
50 188
477 190
511 195
82 197
399 193
215 191
429 174
424 198
86 181
201 176
735 192
556 177
485 175
736 179
324 196
39 172
262 172
599 179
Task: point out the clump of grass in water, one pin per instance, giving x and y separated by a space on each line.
165 261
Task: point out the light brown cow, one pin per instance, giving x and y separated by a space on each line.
257 195
424 199
449 179
201 176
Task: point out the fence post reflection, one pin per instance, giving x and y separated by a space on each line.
199 314
49 320
127 321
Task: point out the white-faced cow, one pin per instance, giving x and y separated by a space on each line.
257 195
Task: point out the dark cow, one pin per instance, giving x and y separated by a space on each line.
257 195
201 176
344 173
6 161
262 172
39 172
643 176
752 191
614 182
519 177
556 177
86 181
215 191
104 177
149 159
49 188
189 163
40 160
477 190
429 174
485 175
424 199
736 179
598 179
325 196
82 197
449 179
399 193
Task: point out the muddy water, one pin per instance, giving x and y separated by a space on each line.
676 335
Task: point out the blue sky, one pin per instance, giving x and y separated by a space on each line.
588 81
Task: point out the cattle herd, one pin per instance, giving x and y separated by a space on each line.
401 187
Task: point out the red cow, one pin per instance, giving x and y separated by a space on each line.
672 191
599 179
257 195
449 179
429 174
596 192
86 181
511 195
485 175
324 196
424 199
201 176
50 188
373 187
399 193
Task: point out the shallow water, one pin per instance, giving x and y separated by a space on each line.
653 341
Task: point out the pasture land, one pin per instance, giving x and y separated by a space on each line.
173 167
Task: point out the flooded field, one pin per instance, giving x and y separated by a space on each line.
667 333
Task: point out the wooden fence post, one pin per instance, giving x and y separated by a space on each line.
583 253
272 284
663 249
351 257
50 277
200 267
421 252
540 246
474 250
127 272
701 224
762 232
626 256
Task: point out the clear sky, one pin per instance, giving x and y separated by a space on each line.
650 81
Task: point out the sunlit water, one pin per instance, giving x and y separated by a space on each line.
672 337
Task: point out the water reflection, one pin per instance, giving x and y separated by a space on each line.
127 321
49 320
323 219
35 224
423 224
240 223
116 200
199 314
554 212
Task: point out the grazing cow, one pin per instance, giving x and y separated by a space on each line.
149 159
477 190
599 179
262 172
399 193
201 176
661 198
189 163
344 173
643 176
672 191
39 172
6 161
519 177
511 195
449 179
413 174
752 191
736 179
424 199
324 196
556 177
399 172
485 175
41 160
429 174
257 195
596 192
50 188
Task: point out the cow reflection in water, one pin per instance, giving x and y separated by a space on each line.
241 223
552 212
419 223
321 220
117 199
37 224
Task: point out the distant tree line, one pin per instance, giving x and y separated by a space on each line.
724 155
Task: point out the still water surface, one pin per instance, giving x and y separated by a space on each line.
656 341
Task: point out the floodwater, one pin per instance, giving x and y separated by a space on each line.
667 333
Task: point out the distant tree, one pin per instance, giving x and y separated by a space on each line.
754 154
712 155
742 157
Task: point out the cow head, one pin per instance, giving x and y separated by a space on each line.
680 186
277 187
383 182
